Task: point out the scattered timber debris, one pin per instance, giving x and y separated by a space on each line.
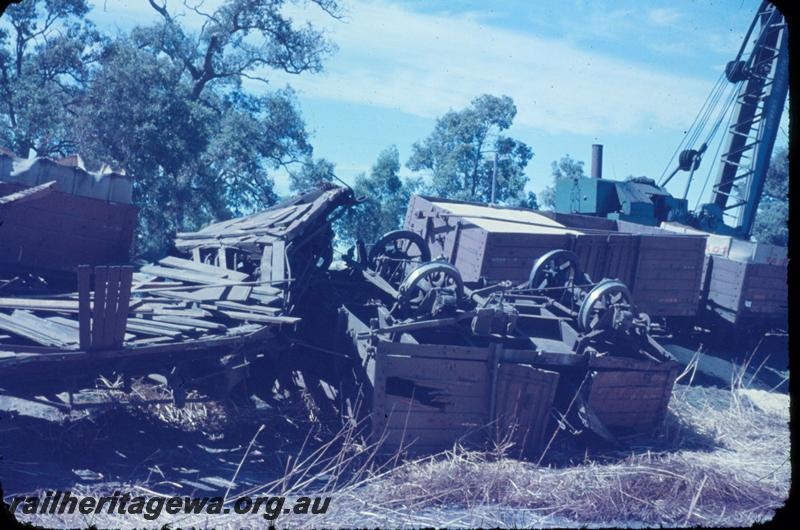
232 299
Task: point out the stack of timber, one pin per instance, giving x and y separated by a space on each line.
231 300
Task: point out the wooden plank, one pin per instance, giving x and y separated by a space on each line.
445 404
204 268
188 312
255 317
123 304
199 295
268 290
626 404
626 364
38 329
160 325
239 293
429 370
40 304
10 325
237 306
426 440
110 312
147 329
265 267
461 421
188 321
222 257
99 309
524 398
434 351
278 264
74 324
186 275
84 305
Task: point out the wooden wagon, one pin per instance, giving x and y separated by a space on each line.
488 243
56 215
498 364
743 282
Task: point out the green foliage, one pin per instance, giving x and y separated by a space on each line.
312 173
531 201
46 51
168 106
459 154
385 199
566 167
771 222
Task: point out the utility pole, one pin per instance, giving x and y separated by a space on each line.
494 178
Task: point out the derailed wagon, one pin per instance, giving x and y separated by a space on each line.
444 363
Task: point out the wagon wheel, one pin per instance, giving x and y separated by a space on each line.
397 252
557 268
599 307
428 283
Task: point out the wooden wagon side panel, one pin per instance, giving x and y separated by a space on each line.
747 290
510 256
726 278
592 250
461 243
668 276
630 401
465 248
428 401
620 264
765 291
524 398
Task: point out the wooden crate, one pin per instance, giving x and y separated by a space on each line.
742 291
427 397
663 270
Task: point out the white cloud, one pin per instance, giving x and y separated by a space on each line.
664 16
425 64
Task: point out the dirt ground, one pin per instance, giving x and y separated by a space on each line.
721 459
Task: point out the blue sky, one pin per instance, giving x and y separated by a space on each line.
628 74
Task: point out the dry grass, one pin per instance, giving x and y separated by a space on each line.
722 459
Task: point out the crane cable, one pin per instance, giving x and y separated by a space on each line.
717 86
716 156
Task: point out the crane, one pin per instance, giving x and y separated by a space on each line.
760 78
746 103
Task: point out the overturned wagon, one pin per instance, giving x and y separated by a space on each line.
445 363
489 243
